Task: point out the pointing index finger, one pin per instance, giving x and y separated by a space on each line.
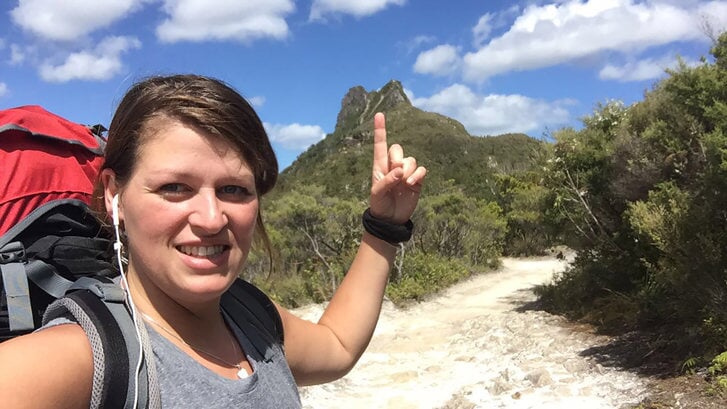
381 156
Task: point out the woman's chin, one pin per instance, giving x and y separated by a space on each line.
205 289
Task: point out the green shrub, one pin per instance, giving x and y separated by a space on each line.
718 373
289 291
424 275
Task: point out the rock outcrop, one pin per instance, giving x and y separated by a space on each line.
359 106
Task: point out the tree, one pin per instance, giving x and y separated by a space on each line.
456 226
317 234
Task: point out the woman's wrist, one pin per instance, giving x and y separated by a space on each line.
381 247
391 233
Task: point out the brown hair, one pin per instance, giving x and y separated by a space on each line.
203 102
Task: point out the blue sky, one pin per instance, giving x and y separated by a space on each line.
496 66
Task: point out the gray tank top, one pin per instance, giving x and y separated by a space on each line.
185 383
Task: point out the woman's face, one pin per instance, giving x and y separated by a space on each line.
189 211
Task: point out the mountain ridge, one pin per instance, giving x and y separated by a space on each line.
440 143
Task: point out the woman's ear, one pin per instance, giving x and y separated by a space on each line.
110 190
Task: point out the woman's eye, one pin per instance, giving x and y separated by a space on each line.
173 189
233 190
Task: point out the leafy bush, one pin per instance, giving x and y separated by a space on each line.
718 373
425 275
458 227
532 226
289 291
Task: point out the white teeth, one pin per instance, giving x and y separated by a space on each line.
201 251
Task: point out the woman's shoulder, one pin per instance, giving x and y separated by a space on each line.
52 367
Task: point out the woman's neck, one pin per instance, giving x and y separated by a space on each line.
197 328
183 316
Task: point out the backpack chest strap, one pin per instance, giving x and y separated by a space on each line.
15 282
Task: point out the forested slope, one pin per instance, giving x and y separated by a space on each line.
643 190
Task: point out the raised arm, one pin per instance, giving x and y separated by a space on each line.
327 350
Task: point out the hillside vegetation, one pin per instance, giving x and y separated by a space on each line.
643 190
639 192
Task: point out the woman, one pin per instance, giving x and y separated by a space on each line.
186 164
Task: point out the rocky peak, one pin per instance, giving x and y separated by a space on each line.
359 106
392 94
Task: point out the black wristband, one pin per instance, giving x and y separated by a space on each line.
389 232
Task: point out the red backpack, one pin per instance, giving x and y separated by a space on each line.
44 158
48 236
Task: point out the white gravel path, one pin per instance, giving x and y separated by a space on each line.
470 347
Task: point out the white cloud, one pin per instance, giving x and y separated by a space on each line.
294 136
415 43
494 114
420 40
440 60
70 19
99 64
482 30
3 89
489 22
17 55
256 101
552 34
356 8
197 20
646 69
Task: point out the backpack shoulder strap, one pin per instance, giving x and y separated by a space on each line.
248 307
98 305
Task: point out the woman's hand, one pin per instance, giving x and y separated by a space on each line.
396 181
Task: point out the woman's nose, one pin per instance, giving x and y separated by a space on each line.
207 213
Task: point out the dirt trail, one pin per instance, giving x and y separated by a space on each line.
475 346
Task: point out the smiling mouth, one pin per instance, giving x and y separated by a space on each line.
202 251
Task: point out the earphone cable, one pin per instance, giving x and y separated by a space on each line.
132 306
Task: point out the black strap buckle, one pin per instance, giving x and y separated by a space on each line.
13 252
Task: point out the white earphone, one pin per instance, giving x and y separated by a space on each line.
115 219
115 209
